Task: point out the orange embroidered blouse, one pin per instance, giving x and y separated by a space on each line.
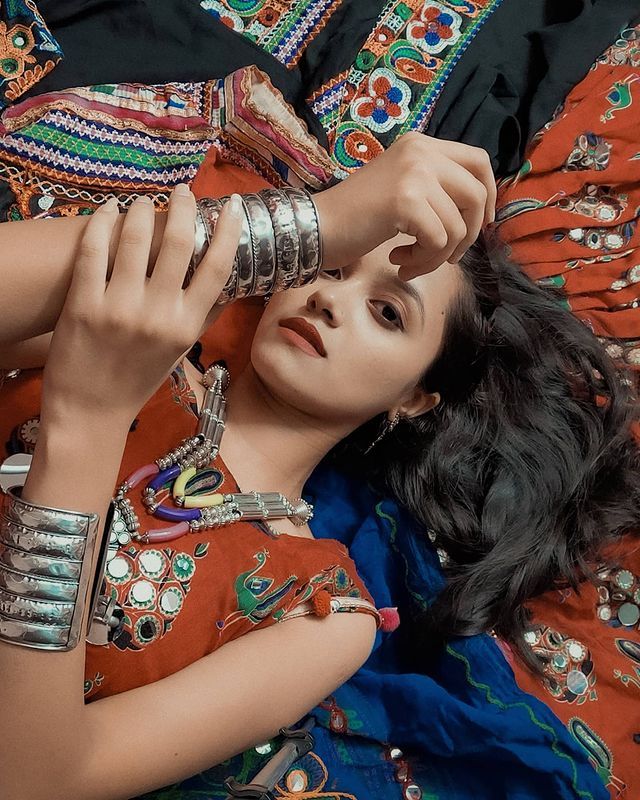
184 599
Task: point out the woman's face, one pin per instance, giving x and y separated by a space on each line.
357 341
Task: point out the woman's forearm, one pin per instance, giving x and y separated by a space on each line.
36 263
74 467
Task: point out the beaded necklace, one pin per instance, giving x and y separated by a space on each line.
191 482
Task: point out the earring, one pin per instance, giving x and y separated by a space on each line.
387 426
267 297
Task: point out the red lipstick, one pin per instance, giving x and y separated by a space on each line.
306 331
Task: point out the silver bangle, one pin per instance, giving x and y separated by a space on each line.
201 241
42 637
44 612
209 209
37 587
43 518
246 257
286 237
264 244
306 216
43 566
39 543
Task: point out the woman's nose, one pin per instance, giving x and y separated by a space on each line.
322 303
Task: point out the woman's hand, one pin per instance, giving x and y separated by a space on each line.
115 342
440 192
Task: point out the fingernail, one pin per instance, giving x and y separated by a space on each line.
182 189
110 205
143 198
235 205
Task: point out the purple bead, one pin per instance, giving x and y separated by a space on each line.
164 476
176 514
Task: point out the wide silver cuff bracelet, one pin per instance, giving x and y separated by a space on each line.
46 559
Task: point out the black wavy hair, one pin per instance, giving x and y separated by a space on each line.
526 468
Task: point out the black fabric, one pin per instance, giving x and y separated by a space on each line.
335 48
155 41
520 67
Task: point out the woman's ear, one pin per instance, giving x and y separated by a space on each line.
419 402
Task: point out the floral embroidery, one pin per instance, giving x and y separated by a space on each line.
630 649
437 28
415 45
385 102
93 683
150 586
16 45
569 668
590 152
308 778
598 202
356 145
619 97
619 589
409 62
597 751
605 239
181 392
624 51
224 14
27 49
282 28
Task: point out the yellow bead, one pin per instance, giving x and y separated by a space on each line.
180 483
203 501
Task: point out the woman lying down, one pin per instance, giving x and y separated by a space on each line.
401 348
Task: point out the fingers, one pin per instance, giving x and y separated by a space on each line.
470 197
132 255
177 244
438 226
215 268
89 278
477 162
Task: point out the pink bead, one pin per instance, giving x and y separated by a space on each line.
167 534
141 473
389 619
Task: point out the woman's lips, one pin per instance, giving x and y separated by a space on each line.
303 334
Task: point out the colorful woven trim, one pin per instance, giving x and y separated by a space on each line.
397 76
280 27
28 51
65 152
257 115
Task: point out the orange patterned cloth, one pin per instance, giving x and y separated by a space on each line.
570 218
570 215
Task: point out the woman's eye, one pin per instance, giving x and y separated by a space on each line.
388 314
333 274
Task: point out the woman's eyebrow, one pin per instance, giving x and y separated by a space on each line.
411 292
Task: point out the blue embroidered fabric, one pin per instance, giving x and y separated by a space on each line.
465 731
28 51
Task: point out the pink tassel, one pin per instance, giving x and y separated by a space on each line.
389 619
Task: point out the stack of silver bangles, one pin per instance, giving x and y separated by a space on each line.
280 245
45 569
